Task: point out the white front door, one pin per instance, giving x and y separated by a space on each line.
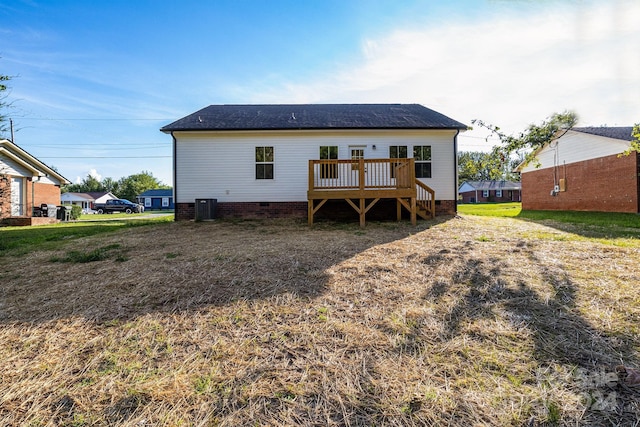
17 197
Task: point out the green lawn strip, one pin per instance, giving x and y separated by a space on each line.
590 224
23 240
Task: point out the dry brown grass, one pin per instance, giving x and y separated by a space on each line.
464 321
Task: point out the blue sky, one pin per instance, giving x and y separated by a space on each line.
95 80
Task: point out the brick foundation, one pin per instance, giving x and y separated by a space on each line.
22 221
605 184
332 210
262 210
445 207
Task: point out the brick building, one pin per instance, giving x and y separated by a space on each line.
583 170
489 191
25 184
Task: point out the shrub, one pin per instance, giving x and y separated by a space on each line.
76 211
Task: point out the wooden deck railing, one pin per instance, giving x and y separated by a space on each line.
363 182
426 198
361 174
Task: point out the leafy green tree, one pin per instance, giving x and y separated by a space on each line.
111 185
482 166
131 186
635 143
88 185
125 188
533 137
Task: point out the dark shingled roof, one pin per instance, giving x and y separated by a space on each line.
157 193
620 132
314 116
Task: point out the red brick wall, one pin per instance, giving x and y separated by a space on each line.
45 193
445 207
35 194
38 193
185 211
605 184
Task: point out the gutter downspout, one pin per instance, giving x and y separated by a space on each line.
175 181
455 170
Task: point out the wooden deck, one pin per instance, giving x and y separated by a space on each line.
364 182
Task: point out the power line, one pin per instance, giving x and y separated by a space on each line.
105 157
99 147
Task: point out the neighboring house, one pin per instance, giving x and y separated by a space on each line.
288 160
489 191
156 199
583 170
25 183
86 200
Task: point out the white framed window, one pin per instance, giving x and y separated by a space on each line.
498 193
147 202
485 193
264 162
328 152
396 152
165 202
422 156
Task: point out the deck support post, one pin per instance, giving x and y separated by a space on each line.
313 209
414 220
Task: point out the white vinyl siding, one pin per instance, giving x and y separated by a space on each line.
576 147
221 165
10 167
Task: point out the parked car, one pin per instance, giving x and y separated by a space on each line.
118 205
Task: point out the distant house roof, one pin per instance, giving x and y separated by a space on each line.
490 185
17 154
157 193
90 196
616 132
97 194
313 116
71 196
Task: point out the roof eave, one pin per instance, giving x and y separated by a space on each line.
169 130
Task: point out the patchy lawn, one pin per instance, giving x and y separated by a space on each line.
459 321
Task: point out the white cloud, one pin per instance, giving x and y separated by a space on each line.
94 173
509 69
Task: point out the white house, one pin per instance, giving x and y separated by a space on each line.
583 169
86 200
279 160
